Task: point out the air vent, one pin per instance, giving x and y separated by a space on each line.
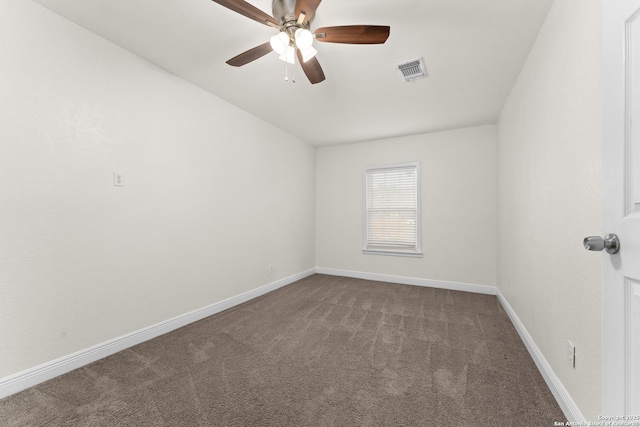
412 70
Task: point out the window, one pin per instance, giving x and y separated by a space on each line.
392 210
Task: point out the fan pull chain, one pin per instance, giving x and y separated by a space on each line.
286 69
294 64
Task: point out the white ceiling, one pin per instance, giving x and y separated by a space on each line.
473 51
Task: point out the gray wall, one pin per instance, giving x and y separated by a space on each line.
459 205
549 175
212 198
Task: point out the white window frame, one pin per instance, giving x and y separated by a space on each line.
372 250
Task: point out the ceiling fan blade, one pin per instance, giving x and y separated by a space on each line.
354 34
312 69
308 7
250 55
248 10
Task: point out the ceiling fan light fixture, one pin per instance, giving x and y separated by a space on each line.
304 38
293 18
288 55
280 42
308 53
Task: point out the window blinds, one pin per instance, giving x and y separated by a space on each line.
392 209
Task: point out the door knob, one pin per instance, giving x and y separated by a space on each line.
610 243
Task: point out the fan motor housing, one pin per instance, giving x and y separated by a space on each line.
284 11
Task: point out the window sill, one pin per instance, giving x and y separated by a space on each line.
392 253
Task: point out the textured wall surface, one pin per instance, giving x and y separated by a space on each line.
212 196
549 157
459 218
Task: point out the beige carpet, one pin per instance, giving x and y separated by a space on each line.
324 351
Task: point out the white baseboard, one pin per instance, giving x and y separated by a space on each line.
39 374
563 398
466 287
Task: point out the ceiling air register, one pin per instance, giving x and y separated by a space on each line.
412 70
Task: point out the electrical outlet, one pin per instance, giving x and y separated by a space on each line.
571 354
118 179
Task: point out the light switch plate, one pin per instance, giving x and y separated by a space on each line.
118 179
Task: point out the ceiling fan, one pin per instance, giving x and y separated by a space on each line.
293 18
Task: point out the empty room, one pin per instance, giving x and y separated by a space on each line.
319 213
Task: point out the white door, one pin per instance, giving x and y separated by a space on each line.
621 196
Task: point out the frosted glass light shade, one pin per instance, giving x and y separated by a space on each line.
279 42
288 55
304 38
308 53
